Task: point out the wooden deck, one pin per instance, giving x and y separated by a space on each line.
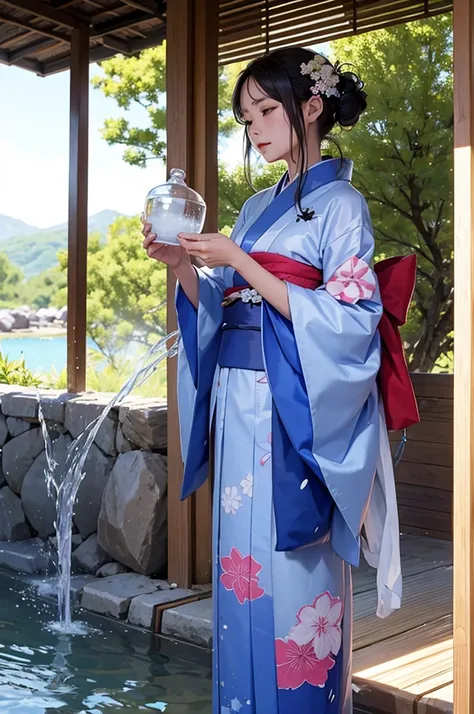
404 664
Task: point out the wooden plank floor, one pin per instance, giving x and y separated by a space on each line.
404 664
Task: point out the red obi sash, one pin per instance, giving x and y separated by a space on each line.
396 277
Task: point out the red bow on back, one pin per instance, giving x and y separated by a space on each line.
396 278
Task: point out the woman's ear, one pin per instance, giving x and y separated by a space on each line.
313 108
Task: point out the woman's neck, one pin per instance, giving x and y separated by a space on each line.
313 156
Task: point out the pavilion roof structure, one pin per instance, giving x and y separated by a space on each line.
36 34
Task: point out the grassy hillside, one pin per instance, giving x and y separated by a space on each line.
14 227
37 252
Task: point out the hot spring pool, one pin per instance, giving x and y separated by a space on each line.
115 668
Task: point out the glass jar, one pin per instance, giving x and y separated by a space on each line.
174 208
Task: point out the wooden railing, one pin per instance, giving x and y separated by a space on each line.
425 474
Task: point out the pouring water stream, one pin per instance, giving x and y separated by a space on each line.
63 484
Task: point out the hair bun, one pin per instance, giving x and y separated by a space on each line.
352 100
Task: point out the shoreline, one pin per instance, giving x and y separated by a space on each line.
41 332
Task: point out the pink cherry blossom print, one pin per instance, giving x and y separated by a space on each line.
297 664
319 626
240 575
352 281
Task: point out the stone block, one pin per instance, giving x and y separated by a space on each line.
144 423
82 411
49 588
18 454
27 556
191 622
13 525
17 426
112 596
97 469
39 506
142 608
53 405
3 429
110 569
132 519
89 556
122 444
20 403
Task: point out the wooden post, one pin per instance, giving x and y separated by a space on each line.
77 227
464 357
191 65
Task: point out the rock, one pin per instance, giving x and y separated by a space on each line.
6 321
145 423
3 430
132 520
25 557
89 556
109 569
18 454
142 608
112 596
20 404
61 314
21 320
53 405
89 496
122 444
76 541
17 426
39 506
81 411
191 622
13 525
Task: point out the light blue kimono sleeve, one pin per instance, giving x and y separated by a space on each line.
334 330
200 332
339 349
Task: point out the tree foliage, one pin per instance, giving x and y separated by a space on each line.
403 156
126 291
10 283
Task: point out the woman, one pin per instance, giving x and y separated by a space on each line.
281 347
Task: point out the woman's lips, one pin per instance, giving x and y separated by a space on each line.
263 145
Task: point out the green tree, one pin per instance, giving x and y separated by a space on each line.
11 279
403 158
142 80
40 290
126 291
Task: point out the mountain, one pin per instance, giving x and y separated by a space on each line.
14 227
37 251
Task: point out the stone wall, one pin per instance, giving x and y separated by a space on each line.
120 511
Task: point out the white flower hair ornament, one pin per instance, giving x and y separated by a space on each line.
325 76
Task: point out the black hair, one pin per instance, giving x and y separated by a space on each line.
278 74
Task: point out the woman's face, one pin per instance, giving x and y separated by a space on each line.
268 127
267 123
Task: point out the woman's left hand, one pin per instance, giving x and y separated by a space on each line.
214 249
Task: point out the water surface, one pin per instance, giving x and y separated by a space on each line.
115 668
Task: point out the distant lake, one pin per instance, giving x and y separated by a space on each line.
41 354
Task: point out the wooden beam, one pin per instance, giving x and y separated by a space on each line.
191 66
117 44
30 49
25 25
464 356
77 231
46 12
149 6
205 175
124 21
179 106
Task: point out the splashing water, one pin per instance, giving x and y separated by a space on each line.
63 486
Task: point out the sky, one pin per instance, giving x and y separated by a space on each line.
34 136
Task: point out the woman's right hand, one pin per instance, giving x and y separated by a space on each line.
172 255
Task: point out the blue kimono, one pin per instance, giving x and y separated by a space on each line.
302 459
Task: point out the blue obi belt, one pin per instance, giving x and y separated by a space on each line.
241 342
